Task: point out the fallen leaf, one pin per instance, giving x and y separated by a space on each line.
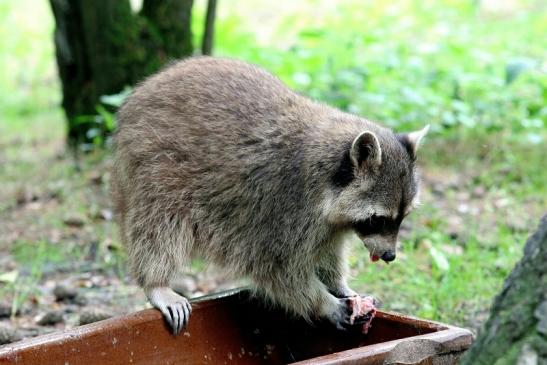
9 277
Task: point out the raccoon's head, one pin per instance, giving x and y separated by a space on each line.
375 187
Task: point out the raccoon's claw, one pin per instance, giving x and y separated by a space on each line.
176 309
177 314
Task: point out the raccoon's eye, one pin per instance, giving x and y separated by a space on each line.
374 225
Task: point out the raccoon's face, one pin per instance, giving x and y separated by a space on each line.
379 189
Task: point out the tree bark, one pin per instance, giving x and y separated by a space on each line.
516 331
102 46
167 31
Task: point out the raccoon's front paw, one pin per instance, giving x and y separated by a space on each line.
342 317
175 308
343 292
354 312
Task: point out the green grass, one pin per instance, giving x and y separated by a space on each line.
410 63
477 77
439 278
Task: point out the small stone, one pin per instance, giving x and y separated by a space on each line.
463 208
51 318
106 214
479 191
438 189
8 335
462 195
80 300
71 308
527 356
24 196
63 293
5 310
96 178
76 222
93 315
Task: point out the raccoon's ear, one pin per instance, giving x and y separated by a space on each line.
412 140
365 151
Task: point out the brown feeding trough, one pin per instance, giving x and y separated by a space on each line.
232 328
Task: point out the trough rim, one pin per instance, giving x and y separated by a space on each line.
453 339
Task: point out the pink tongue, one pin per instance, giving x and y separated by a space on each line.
374 258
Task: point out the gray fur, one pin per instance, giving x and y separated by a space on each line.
218 158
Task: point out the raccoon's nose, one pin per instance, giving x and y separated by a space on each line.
388 256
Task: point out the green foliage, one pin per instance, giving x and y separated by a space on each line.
99 127
409 63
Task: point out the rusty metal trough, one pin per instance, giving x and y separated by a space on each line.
233 328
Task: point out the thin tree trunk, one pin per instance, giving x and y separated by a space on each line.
209 32
516 332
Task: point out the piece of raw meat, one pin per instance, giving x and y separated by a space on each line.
363 311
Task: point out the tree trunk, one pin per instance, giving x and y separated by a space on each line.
516 332
102 46
209 32
167 31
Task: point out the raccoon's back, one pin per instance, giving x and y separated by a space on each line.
209 93
220 140
208 104
206 119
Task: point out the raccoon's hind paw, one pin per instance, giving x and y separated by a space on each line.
175 308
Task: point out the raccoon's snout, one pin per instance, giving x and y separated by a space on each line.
388 256
379 234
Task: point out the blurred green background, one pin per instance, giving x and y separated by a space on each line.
476 71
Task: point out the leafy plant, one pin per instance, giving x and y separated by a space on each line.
102 124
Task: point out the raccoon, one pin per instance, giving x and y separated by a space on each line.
217 158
